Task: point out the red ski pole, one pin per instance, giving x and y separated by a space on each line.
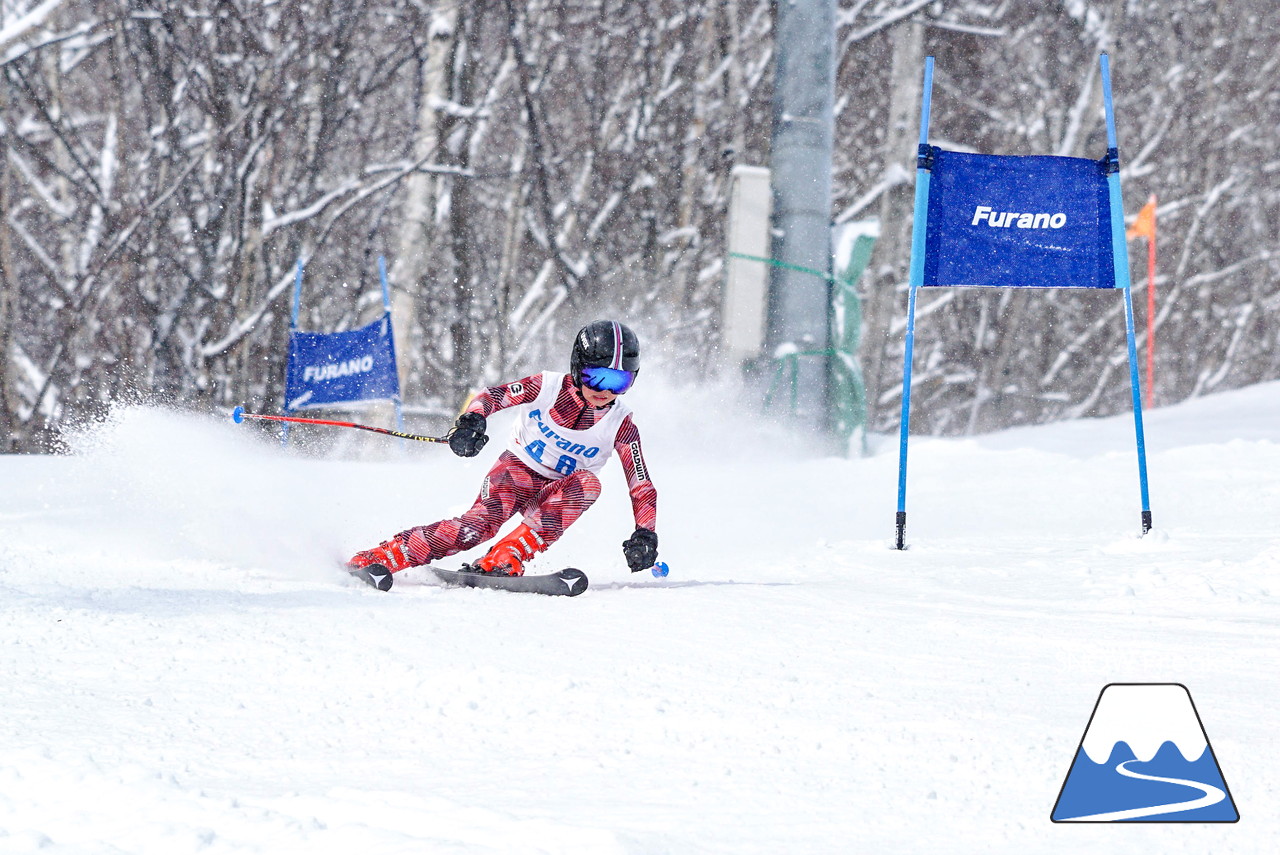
238 415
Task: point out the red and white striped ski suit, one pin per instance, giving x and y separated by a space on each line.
549 503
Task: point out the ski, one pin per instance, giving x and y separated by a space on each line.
375 575
569 582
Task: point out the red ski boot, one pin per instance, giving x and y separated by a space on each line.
507 556
376 565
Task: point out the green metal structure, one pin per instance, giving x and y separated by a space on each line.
847 392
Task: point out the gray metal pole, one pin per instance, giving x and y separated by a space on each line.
800 165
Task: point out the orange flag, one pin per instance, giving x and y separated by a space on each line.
1144 225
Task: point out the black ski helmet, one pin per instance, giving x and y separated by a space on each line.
605 344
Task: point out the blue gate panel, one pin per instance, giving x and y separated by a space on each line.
1018 221
341 367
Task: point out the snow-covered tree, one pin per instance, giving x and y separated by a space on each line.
528 166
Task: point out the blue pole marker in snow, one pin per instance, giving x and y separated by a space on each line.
660 570
293 328
1017 221
237 415
1120 254
386 306
297 295
919 231
1145 757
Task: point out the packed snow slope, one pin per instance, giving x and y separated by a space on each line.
186 669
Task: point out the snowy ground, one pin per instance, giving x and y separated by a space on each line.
185 670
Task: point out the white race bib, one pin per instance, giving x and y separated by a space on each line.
555 451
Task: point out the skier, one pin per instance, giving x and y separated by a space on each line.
568 426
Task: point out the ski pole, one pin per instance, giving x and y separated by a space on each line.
238 415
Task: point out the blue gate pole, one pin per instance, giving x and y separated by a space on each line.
297 297
293 328
919 227
1120 256
391 336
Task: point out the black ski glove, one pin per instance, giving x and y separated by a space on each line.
641 549
467 437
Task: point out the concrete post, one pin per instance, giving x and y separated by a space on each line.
800 302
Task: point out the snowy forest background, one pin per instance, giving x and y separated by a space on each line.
526 166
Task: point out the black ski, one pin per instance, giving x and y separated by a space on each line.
374 575
568 582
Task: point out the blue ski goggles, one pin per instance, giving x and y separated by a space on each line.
603 379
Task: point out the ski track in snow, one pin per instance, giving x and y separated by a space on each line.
186 669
